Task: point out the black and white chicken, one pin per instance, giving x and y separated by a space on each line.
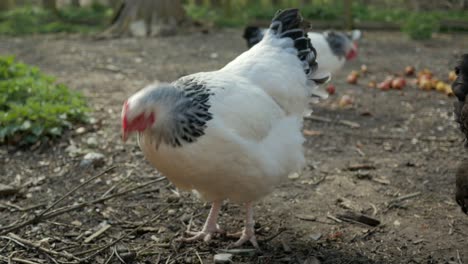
460 89
335 48
235 133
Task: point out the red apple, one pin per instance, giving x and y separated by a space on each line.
398 83
409 70
385 85
331 89
352 78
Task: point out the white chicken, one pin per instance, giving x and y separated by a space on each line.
335 48
234 133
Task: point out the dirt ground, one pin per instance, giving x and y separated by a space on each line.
407 144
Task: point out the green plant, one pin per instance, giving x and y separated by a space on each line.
33 106
29 19
421 26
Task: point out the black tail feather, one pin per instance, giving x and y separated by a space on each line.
288 23
460 89
252 35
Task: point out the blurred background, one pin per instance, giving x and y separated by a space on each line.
418 18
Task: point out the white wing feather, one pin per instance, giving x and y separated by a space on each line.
248 146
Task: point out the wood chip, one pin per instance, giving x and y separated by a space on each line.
306 217
6 190
311 133
356 167
316 236
359 218
381 181
351 124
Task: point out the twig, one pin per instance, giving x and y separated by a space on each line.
358 218
334 218
110 258
273 236
40 216
403 198
97 233
401 138
328 120
458 257
19 260
27 243
198 256
32 207
118 256
73 191
66 209
101 248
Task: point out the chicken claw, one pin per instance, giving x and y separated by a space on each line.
206 234
210 227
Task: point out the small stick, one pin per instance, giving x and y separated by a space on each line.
458 257
100 249
40 216
110 258
334 218
404 197
114 250
27 243
19 260
198 256
328 120
67 209
97 233
74 190
360 152
273 236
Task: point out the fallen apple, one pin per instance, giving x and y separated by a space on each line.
425 84
385 85
372 84
398 83
331 89
448 90
409 70
440 86
352 78
452 76
345 100
364 69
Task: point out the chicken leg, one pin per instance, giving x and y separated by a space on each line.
209 228
248 233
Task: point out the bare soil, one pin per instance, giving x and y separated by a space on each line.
407 141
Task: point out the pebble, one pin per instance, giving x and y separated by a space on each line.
93 158
293 176
222 258
80 130
92 141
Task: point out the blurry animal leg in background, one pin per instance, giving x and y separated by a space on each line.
210 227
248 233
